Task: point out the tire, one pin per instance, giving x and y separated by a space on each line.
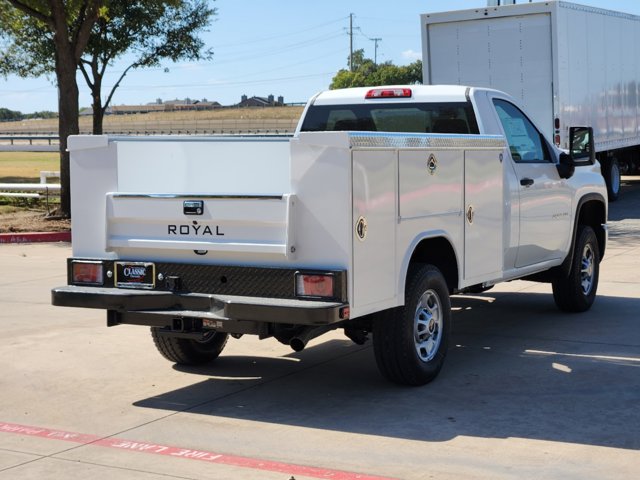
611 174
186 351
577 292
410 343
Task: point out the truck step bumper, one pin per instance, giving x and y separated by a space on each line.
155 308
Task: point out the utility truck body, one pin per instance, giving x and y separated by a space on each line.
568 64
384 202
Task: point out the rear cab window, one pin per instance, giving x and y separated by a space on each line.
449 117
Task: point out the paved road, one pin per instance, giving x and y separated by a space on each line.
527 392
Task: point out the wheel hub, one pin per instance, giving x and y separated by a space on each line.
587 270
428 324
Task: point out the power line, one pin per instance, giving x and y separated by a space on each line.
232 82
351 32
275 37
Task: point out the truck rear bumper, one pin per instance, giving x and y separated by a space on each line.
160 308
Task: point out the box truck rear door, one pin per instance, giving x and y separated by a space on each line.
512 54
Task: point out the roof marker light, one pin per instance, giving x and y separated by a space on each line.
389 93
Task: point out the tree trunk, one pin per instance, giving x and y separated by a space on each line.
98 114
68 107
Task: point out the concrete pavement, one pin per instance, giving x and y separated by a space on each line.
526 392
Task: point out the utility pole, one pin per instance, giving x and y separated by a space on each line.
351 42
375 55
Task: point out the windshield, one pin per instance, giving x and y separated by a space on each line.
393 117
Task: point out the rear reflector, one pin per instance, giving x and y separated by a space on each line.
87 273
314 285
389 93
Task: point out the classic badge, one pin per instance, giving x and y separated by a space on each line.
135 275
432 164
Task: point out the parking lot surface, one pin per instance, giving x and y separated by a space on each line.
526 392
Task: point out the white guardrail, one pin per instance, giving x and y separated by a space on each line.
32 190
29 143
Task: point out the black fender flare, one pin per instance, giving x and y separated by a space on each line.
565 267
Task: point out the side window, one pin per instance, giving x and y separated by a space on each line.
525 141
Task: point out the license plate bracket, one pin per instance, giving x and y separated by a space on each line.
135 275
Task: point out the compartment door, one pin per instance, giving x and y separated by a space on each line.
374 228
483 217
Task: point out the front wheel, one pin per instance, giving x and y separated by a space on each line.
577 291
187 351
410 342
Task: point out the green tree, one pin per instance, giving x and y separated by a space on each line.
39 37
7 115
29 31
154 30
367 74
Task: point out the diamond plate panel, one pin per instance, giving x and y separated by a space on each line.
442 141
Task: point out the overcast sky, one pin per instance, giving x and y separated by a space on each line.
291 48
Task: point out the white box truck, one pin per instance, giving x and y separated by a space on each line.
568 64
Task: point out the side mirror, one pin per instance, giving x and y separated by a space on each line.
566 167
581 145
581 150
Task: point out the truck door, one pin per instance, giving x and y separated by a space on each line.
545 198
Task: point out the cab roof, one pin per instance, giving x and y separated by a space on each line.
418 93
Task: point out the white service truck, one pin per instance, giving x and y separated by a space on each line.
567 64
367 219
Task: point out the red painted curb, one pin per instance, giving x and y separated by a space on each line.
289 469
33 237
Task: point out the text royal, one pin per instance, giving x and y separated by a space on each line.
197 230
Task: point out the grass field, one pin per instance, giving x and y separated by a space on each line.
25 167
207 121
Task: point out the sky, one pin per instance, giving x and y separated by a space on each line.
291 48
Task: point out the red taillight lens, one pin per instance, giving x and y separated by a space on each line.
314 285
89 273
389 93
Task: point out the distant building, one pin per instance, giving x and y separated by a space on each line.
269 101
166 106
131 109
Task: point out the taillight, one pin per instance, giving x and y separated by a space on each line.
389 93
314 285
87 273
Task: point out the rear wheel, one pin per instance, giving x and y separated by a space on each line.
577 292
611 173
187 351
411 342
